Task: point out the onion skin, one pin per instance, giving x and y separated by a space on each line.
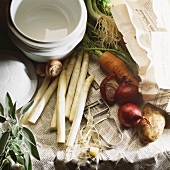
108 87
127 93
129 115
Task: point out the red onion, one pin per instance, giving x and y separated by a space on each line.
107 88
127 93
130 115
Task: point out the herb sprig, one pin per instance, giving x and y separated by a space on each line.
17 143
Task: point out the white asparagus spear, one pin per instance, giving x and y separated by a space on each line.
53 125
73 83
43 102
61 93
70 67
82 77
79 111
65 63
37 98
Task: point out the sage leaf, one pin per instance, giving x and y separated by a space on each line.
12 140
3 141
13 156
1 110
15 130
30 142
20 136
27 163
20 159
13 112
2 119
25 108
16 148
27 134
33 149
8 104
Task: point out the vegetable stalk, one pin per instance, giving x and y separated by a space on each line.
37 98
73 84
79 112
82 77
61 92
43 102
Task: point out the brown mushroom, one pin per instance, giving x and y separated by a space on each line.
53 68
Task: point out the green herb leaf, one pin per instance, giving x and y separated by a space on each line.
2 119
1 110
9 104
16 148
30 142
27 163
3 141
27 134
33 150
20 159
25 108
14 137
15 130
13 112
13 156
20 137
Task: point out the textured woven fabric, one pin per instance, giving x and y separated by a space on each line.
129 153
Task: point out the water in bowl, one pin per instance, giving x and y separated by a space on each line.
44 23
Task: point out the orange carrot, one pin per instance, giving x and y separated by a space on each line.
113 64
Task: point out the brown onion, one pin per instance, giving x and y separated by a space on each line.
107 88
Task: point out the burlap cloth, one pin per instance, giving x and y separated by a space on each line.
128 153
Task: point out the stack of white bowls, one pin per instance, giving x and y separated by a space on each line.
47 29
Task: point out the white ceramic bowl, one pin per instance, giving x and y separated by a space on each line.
45 55
43 46
48 21
31 49
47 29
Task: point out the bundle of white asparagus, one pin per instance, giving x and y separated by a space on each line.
72 87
